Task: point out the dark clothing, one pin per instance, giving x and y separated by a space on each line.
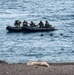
41 25
32 24
47 25
16 24
25 24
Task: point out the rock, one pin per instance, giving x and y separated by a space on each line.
39 63
3 62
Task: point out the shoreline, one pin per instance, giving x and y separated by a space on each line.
66 68
50 63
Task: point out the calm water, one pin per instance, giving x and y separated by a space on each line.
24 47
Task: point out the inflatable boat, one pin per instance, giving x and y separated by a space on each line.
14 29
37 29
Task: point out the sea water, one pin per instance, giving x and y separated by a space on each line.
24 47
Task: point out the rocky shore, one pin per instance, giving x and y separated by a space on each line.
36 68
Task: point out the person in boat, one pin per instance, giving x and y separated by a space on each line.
41 25
17 23
32 24
25 23
47 25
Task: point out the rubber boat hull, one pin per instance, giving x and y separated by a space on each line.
37 29
14 29
29 29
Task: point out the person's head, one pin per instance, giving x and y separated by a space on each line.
31 21
46 21
25 21
40 21
17 21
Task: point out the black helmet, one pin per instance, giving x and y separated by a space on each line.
17 21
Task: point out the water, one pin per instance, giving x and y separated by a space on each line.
24 47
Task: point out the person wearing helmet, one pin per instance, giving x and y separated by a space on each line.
17 23
32 24
41 25
47 25
25 23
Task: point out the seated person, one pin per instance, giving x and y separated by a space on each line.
25 23
41 25
47 25
32 24
17 23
